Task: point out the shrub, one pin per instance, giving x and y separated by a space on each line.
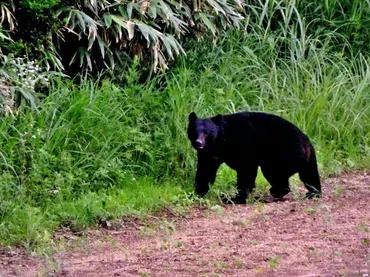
94 33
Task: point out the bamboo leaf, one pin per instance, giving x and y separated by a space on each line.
207 22
81 21
107 20
123 12
119 20
145 31
82 53
130 29
88 59
153 10
216 6
4 37
102 45
129 10
90 43
168 46
175 44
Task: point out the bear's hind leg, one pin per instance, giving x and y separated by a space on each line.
309 175
311 180
278 181
278 192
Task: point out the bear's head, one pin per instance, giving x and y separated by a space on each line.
203 132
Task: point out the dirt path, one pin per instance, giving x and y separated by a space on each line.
329 237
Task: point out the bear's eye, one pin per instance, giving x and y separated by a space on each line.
206 135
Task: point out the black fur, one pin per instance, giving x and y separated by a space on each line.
247 140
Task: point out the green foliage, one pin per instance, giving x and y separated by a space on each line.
21 79
36 24
7 18
97 151
312 87
6 14
95 33
348 18
83 157
346 22
39 5
89 35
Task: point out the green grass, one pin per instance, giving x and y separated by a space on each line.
87 155
99 151
35 224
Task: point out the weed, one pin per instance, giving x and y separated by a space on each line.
168 227
52 266
260 270
338 191
366 241
241 222
238 263
363 227
147 230
222 265
218 209
311 210
204 262
274 262
164 244
177 243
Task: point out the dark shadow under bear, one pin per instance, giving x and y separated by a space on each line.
247 140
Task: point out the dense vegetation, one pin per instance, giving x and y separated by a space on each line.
95 33
102 148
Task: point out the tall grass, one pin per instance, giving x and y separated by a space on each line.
91 151
99 151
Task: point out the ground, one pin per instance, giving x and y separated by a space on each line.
328 237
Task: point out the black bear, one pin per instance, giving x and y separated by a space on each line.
247 140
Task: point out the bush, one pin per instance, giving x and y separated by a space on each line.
21 79
97 33
85 35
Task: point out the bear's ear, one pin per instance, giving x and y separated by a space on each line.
217 119
192 116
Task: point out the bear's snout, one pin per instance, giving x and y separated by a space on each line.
199 144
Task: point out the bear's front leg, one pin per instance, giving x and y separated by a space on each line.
206 173
245 184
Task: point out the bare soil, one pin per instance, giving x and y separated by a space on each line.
326 237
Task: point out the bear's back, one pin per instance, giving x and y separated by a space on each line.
262 132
